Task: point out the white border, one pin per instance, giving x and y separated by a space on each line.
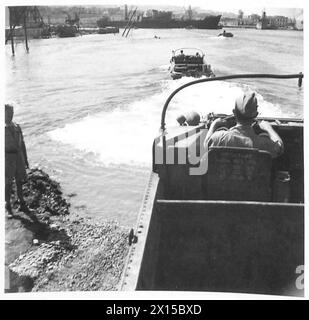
218 5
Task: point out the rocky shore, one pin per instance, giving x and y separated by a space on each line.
53 248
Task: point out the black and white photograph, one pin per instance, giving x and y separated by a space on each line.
154 146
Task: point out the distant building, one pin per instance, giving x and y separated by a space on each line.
114 11
254 18
116 14
16 16
125 12
299 22
188 14
274 22
240 14
229 22
164 15
248 21
7 17
263 23
278 21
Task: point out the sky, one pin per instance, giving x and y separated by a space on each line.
272 7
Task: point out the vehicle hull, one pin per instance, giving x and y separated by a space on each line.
216 246
187 240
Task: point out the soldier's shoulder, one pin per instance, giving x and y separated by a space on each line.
15 124
17 127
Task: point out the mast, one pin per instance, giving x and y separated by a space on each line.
11 33
25 29
129 24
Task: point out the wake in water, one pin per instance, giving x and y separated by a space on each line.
125 136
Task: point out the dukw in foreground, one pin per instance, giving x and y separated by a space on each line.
239 227
189 62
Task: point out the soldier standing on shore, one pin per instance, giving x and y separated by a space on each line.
16 160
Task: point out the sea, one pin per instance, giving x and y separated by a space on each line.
90 106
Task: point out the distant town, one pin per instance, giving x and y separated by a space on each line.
263 21
89 15
67 21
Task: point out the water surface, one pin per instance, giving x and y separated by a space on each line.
90 106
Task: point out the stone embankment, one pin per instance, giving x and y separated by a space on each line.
50 248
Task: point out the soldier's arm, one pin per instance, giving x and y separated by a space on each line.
213 127
273 135
23 146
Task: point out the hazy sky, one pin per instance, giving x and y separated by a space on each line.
272 7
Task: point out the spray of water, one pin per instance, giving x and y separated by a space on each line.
125 136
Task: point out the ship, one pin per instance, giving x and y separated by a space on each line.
209 22
221 220
164 20
70 28
67 31
108 30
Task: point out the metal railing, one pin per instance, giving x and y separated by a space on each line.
298 76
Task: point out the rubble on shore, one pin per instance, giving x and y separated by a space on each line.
68 252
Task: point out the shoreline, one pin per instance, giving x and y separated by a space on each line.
83 32
53 249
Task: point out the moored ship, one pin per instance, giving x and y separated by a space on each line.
164 20
70 28
209 22
108 30
66 31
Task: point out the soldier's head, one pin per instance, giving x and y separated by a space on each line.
245 110
9 113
